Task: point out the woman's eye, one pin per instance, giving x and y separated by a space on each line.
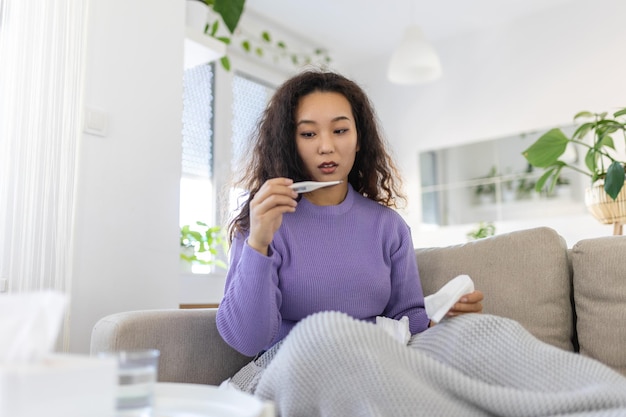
340 131
307 134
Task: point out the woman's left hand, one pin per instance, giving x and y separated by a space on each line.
469 303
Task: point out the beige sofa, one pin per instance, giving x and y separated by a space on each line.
572 298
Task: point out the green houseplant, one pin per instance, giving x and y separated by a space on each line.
203 244
482 230
601 162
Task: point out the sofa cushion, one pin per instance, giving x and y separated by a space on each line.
524 275
600 299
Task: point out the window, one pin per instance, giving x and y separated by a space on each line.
196 187
250 98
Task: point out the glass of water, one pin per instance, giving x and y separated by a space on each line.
137 374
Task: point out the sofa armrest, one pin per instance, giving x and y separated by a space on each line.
192 350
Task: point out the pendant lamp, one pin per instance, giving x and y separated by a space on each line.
414 61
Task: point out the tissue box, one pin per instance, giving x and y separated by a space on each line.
59 385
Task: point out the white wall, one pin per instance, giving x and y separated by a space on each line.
126 249
535 73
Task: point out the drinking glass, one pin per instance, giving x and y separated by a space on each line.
137 374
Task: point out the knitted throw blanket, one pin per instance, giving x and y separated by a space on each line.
472 365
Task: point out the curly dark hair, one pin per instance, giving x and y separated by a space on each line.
374 174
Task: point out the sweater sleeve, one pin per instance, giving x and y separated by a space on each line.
248 317
407 296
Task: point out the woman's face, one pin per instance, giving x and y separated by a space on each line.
326 137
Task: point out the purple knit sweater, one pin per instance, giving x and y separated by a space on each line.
356 257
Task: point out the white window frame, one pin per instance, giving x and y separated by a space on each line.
222 127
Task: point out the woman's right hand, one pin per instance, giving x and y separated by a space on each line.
273 199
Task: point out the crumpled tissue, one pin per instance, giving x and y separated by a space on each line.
439 303
35 381
398 329
436 305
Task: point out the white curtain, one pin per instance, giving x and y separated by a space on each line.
42 60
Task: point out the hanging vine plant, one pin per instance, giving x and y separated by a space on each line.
279 50
229 12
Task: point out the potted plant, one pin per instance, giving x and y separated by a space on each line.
600 159
482 230
595 135
202 244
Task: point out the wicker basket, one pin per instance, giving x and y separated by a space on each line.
604 208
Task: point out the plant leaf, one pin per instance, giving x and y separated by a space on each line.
610 126
607 141
591 160
542 180
619 113
231 11
225 63
583 114
582 130
188 258
547 149
265 35
554 173
216 26
614 180
246 45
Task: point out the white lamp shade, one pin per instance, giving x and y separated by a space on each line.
415 60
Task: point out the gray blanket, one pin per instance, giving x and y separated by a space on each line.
472 365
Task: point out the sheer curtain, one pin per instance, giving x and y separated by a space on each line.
42 60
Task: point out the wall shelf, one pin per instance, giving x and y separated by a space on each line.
201 49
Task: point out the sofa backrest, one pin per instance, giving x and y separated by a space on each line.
525 276
599 267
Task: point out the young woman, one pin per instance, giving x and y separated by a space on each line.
310 272
340 248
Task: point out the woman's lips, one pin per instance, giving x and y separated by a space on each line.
327 167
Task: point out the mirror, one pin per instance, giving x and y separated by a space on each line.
491 181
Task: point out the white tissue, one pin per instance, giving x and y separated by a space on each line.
34 381
398 329
29 324
439 303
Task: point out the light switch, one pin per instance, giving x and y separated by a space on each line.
96 122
